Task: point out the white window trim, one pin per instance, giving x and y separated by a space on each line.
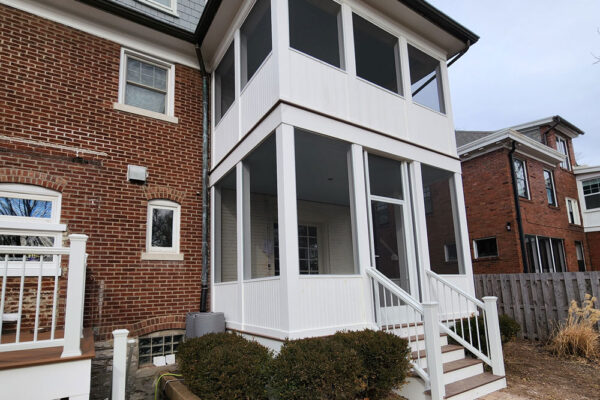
553 187
24 226
476 251
568 158
575 206
169 114
169 10
163 253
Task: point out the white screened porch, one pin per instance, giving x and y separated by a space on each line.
299 216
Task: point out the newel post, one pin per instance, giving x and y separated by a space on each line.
494 337
119 373
433 350
75 296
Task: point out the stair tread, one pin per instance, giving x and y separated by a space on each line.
419 337
459 364
400 326
445 349
464 385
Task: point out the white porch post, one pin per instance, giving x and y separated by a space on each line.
433 350
421 240
75 296
243 232
287 224
119 373
494 337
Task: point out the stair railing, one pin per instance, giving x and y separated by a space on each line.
397 312
459 318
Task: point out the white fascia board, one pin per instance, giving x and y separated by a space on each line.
545 121
111 27
528 146
586 169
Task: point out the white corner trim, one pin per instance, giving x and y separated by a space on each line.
145 113
162 256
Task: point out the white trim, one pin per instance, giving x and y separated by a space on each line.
162 256
170 81
575 206
544 121
164 251
145 113
161 7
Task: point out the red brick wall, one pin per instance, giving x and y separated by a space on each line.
58 86
592 248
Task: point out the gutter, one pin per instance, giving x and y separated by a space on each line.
518 207
205 204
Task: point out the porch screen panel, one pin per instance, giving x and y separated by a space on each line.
325 242
440 220
226 229
260 224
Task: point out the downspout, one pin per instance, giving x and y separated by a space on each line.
518 206
205 205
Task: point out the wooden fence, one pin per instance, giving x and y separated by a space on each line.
538 301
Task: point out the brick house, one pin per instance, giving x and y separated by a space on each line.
531 223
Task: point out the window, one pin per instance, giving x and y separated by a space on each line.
316 29
521 178
487 247
573 211
591 193
169 6
425 80
224 84
545 254
427 200
158 346
450 252
146 83
255 36
30 216
549 182
580 256
225 226
162 235
308 250
377 55
562 147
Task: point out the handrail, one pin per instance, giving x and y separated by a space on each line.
36 250
395 289
455 288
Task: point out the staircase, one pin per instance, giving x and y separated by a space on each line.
442 368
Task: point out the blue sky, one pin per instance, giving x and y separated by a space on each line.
533 60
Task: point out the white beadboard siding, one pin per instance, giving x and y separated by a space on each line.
261 303
228 236
430 129
226 133
226 300
259 95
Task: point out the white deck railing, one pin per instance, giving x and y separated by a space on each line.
26 273
456 320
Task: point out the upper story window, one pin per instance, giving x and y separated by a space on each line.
549 182
377 55
573 211
316 29
255 36
521 178
146 83
591 193
163 226
425 80
169 6
224 84
563 147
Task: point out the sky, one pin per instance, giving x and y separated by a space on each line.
534 59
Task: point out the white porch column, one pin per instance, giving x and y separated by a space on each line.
420 222
287 224
494 336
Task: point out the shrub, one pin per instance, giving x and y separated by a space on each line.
225 366
508 330
317 368
577 336
384 358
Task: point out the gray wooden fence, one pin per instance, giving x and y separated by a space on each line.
538 301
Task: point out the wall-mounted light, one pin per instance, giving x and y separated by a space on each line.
508 227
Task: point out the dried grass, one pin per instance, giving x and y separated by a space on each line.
577 336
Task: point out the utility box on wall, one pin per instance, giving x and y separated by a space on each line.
137 173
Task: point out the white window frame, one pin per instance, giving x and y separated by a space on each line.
525 174
568 158
154 4
589 194
169 114
476 251
32 226
574 204
163 253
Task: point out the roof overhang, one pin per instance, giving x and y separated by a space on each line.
504 139
561 124
586 170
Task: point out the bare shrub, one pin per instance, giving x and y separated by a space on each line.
577 336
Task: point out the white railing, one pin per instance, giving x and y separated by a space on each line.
460 320
396 311
31 280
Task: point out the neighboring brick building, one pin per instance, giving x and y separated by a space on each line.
548 235
588 184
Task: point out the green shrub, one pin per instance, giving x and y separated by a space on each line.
317 368
384 357
225 366
508 330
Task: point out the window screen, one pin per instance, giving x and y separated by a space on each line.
224 84
255 35
425 79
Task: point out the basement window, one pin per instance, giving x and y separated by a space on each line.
255 36
377 55
487 247
158 345
316 30
224 84
425 80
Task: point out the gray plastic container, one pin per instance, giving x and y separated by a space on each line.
199 323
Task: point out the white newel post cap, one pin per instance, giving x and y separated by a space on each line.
430 304
489 299
78 237
119 333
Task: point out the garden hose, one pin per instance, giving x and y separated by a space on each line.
158 381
